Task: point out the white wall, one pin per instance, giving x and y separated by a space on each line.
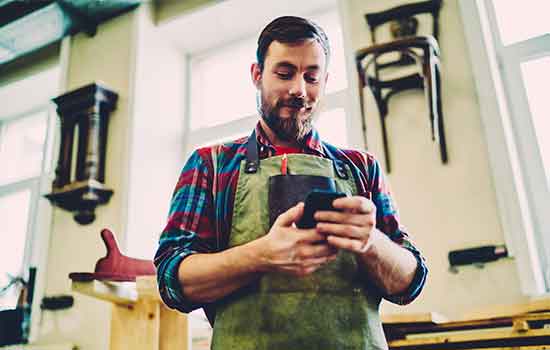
445 207
144 157
157 136
106 57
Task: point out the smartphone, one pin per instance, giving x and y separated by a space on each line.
317 200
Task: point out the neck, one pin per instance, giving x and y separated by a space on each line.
273 137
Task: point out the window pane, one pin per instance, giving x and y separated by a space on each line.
14 211
22 147
535 75
222 89
521 20
332 127
337 79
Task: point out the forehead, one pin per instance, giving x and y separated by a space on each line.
304 54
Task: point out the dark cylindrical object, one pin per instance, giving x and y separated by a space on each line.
477 255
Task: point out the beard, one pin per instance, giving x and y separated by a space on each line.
292 128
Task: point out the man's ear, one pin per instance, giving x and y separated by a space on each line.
256 74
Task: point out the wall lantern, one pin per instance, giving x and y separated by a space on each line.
79 186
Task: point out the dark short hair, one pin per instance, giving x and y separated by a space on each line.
290 30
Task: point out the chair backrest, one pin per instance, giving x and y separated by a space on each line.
404 12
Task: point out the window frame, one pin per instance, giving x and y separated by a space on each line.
35 184
53 59
229 130
520 180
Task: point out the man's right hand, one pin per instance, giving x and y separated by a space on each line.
291 250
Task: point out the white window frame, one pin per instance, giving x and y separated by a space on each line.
518 172
31 183
221 132
40 213
36 185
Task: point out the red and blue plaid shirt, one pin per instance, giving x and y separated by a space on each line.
196 225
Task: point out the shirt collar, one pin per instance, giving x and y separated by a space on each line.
312 142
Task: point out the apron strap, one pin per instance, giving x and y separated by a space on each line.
252 157
339 165
359 178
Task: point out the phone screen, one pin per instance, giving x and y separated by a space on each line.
317 200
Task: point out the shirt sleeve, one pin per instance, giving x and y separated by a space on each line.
188 230
387 221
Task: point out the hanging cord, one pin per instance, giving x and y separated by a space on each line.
13 280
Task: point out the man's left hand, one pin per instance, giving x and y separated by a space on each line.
351 228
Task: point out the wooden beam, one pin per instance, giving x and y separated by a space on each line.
473 338
498 311
403 318
121 293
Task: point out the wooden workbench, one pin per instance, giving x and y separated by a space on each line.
510 327
140 321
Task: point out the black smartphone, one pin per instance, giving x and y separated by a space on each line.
317 200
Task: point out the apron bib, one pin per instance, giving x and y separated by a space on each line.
332 308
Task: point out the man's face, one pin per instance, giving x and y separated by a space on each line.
290 87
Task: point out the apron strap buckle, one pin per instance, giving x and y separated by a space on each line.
340 169
251 166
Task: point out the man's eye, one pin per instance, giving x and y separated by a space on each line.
284 75
312 79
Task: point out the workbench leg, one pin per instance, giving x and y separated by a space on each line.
174 330
136 327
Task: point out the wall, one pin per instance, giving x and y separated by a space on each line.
168 9
144 156
445 207
157 136
106 57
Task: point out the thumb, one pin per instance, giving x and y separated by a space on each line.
290 216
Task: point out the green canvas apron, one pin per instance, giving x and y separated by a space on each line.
329 309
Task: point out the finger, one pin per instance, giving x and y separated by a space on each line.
344 218
318 261
356 204
293 214
341 230
304 271
308 236
316 251
350 244
306 267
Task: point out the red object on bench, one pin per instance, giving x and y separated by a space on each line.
115 266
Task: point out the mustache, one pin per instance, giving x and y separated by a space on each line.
294 103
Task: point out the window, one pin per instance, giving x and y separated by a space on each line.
515 50
521 20
22 150
222 96
26 127
535 75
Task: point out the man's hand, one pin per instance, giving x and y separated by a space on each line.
351 228
291 250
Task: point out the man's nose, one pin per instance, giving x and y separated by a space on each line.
298 87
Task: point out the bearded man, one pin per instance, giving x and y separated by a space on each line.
229 248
